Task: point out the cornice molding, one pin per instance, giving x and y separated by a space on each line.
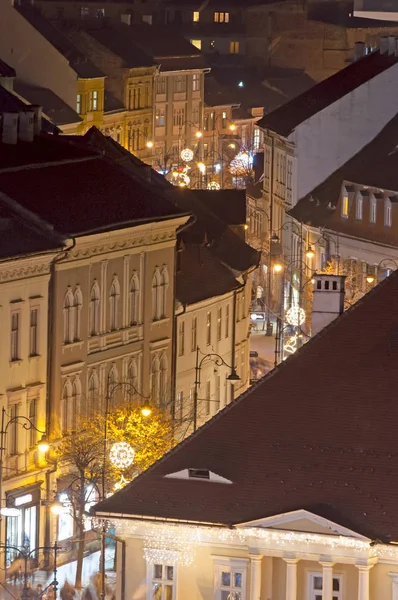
24 269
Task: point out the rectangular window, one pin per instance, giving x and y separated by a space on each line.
179 117
162 582
181 339
34 332
373 210
194 334
344 206
195 114
196 82
224 119
160 117
207 398
161 85
230 582
234 47
387 214
227 321
180 84
221 17
33 419
195 16
197 44
219 324
15 335
79 104
256 140
93 100
316 585
208 328
359 207
13 430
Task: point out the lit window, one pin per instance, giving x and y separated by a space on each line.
316 585
79 104
359 207
195 16
221 17
219 323
94 100
256 141
387 214
195 82
162 581
160 119
344 206
65 519
208 328
234 47
373 210
197 44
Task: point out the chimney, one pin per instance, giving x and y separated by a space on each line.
383 44
359 50
26 125
10 128
38 111
391 45
328 301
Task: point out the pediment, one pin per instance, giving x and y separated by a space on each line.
303 521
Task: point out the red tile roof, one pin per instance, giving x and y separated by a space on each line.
286 118
317 433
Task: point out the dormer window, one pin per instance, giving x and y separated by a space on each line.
387 213
199 474
344 206
359 207
193 474
372 209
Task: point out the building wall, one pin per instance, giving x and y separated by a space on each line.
215 390
23 386
328 139
32 52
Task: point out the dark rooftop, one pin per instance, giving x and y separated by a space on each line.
286 118
6 70
120 40
53 106
106 197
375 166
229 204
77 60
284 450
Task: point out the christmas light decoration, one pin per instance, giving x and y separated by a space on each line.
120 484
292 344
213 185
164 543
295 316
187 155
241 165
121 455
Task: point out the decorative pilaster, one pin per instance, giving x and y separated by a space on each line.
327 580
291 578
394 577
255 576
363 581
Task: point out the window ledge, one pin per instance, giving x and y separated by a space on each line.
16 361
76 344
161 321
34 357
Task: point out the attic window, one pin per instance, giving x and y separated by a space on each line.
199 474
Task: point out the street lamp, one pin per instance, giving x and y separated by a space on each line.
218 360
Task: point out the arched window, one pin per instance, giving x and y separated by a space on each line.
92 396
77 305
132 378
155 380
68 317
114 296
134 300
113 379
75 404
156 295
165 287
163 380
95 309
66 406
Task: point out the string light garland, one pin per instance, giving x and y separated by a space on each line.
121 455
295 316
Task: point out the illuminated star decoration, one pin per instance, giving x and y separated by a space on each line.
121 455
295 316
187 155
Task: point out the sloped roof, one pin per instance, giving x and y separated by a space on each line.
286 118
6 70
54 107
77 60
120 40
317 433
228 204
106 197
201 276
375 165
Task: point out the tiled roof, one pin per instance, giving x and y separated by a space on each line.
77 60
317 433
374 166
105 198
286 118
201 276
54 107
6 70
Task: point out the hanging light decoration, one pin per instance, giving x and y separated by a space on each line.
295 316
213 185
121 455
187 155
241 165
171 543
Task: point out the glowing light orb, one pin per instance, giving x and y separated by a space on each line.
121 455
213 185
187 155
295 316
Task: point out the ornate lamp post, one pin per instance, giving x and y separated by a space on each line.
218 360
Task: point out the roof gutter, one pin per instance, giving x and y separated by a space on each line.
123 516
134 223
